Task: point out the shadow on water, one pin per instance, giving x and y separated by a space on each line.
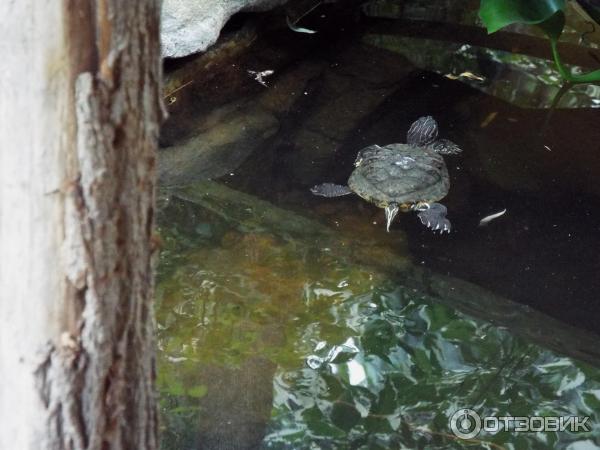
288 321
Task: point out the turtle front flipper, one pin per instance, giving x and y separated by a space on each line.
330 190
445 147
390 212
433 215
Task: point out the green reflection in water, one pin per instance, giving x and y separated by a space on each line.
417 363
522 80
268 341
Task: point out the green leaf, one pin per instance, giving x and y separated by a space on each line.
458 330
497 14
344 416
387 400
378 337
318 425
378 424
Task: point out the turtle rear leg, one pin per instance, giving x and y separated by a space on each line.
330 190
434 217
390 212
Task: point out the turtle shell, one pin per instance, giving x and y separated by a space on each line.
399 173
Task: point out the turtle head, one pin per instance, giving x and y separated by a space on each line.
422 132
390 213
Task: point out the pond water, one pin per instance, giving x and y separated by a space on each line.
289 321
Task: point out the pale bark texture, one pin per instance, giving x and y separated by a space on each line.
79 119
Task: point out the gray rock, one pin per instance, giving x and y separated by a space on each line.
213 144
191 26
224 140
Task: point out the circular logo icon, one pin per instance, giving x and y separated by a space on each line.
465 423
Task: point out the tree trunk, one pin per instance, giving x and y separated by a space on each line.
79 122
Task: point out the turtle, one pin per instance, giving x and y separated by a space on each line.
403 177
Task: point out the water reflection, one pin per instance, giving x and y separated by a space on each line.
418 363
274 340
522 80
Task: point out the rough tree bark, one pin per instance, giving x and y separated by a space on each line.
79 120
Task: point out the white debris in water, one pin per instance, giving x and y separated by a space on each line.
488 219
467 75
175 359
293 27
260 76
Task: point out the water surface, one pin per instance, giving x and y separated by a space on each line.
288 321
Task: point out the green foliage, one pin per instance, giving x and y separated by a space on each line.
498 14
547 14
